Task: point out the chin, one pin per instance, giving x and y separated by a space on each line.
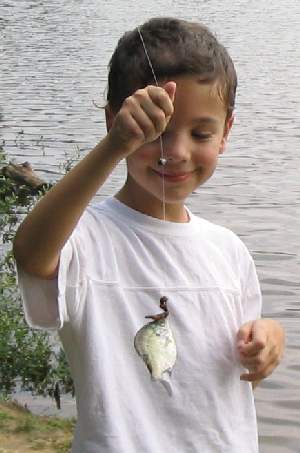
173 199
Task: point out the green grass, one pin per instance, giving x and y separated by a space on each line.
33 433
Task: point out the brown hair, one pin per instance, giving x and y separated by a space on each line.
175 47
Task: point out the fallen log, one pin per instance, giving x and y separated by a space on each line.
24 175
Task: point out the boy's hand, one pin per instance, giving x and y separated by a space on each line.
260 345
142 118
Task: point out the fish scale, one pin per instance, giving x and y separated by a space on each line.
155 343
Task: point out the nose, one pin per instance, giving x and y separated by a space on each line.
175 147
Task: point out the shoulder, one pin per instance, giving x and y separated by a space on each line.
91 245
230 249
92 219
99 224
225 240
221 234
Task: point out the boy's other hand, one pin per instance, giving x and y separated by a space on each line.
260 344
142 118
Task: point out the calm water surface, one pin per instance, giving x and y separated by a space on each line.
53 70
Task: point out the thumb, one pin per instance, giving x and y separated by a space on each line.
244 334
170 88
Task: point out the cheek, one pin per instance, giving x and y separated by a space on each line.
143 155
207 155
146 154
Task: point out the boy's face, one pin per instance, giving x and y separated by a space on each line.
193 140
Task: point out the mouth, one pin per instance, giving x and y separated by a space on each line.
173 176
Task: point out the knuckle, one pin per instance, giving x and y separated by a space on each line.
153 89
160 118
125 107
122 114
139 94
148 132
161 93
138 133
130 101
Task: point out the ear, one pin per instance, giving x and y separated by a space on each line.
109 117
227 128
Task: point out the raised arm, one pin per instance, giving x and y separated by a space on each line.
45 230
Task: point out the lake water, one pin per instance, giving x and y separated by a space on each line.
53 69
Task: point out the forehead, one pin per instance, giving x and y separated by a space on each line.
198 101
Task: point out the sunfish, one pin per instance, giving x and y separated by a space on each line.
155 343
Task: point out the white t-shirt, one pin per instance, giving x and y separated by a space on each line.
113 270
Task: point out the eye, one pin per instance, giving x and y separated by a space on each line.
201 135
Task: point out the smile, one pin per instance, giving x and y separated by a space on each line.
173 177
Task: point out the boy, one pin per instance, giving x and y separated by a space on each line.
95 272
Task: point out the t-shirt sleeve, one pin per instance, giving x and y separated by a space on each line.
252 299
48 304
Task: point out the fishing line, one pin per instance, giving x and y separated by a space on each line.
162 161
158 350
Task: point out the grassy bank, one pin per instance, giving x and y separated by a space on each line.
22 432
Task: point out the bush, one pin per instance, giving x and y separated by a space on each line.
29 359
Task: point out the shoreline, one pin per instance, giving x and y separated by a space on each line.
46 406
22 432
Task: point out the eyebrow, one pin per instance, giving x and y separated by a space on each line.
206 120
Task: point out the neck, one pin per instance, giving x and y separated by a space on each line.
151 206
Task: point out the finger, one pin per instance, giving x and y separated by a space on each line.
161 99
155 102
170 88
259 332
256 362
258 340
156 115
251 349
269 352
125 126
262 364
257 375
149 118
244 334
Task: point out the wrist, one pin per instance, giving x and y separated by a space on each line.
106 149
121 148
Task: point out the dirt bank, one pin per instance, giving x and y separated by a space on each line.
22 432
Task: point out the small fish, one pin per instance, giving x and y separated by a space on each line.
155 343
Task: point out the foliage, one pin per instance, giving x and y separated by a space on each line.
29 359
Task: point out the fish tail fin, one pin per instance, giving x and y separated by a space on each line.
167 385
